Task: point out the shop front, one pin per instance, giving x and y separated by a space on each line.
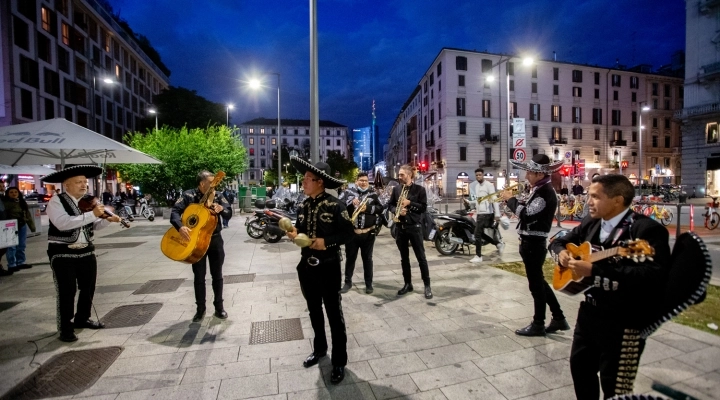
462 184
713 176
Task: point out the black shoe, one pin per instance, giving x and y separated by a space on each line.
221 314
532 330
557 325
313 359
90 324
199 315
407 288
337 375
68 337
346 287
428 292
24 266
5 272
369 289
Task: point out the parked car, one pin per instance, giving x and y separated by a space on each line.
42 199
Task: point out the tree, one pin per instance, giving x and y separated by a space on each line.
348 169
184 152
179 107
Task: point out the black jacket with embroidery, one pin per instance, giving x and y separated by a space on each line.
369 217
324 217
536 211
194 196
416 208
633 287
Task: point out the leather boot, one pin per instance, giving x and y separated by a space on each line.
557 325
346 287
534 329
428 292
407 288
199 315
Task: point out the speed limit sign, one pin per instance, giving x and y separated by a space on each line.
519 154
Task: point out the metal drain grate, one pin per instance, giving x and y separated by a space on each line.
279 330
160 286
6 305
125 245
65 374
132 315
227 279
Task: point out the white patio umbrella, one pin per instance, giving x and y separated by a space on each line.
25 169
58 141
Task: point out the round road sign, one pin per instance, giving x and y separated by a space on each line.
519 154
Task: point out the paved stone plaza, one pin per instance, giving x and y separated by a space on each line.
459 345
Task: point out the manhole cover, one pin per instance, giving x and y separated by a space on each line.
134 231
279 330
65 374
125 245
131 315
227 279
160 286
6 305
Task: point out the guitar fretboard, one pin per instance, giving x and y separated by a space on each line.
603 254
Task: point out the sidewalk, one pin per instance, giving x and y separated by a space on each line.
459 345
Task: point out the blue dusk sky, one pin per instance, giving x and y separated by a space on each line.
380 49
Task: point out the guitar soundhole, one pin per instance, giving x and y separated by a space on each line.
192 221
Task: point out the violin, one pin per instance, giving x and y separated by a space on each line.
88 203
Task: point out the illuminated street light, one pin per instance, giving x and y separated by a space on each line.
641 108
255 84
227 115
154 111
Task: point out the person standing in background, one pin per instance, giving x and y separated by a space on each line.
3 271
488 211
16 208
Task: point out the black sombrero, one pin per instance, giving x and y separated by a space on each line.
88 171
321 169
539 163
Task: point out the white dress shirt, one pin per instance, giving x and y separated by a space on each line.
607 226
63 221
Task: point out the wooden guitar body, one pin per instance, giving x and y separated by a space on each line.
564 279
202 223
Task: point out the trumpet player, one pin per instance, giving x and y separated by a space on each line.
324 219
363 204
487 211
410 208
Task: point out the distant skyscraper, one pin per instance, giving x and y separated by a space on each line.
366 145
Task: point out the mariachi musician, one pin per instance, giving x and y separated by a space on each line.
215 253
364 206
71 249
607 334
535 212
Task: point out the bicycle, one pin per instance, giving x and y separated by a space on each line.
712 218
664 215
569 206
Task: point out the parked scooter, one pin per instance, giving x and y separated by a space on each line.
459 230
145 210
122 210
255 225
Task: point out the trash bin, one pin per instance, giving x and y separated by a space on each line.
34 208
245 204
682 198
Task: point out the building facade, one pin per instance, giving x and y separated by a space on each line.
56 59
260 138
460 116
701 113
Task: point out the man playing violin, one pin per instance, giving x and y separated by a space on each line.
215 253
70 247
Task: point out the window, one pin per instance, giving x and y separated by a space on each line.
617 135
463 153
460 107
577 133
49 109
485 109
45 16
633 97
262 163
597 116
534 71
577 75
273 131
597 134
615 95
597 78
535 152
597 93
616 80
439 110
633 118
432 117
462 128
655 104
461 80
273 141
556 73
488 131
29 71
556 90
577 115
486 65
634 82
43 48
20 33
512 85
667 142
262 131
556 114
577 91
616 117
432 79
654 89
654 122
535 131
513 109
654 141
511 68
666 90
667 123
327 142
307 131
440 131
633 136
557 134
262 152
439 69
262 140
26 104
533 87
251 142
66 34
534 112
667 104
461 63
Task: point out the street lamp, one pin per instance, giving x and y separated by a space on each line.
154 111
92 96
227 114
361 162
641 108
255 84
415 160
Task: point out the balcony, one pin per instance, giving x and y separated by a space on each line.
489 139
711 72
429 144
710 108
618 143
558 141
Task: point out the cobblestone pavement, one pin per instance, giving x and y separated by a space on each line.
459 345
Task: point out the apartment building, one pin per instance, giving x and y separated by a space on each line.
459 118
260 137
701 114
70 59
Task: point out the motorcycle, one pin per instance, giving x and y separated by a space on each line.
459 230
145 210
265 220
122 210
255 227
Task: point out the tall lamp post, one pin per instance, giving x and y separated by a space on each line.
641 108
227 114
255 84
154 111
362 166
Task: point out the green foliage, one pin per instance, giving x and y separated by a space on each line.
184 152
179 107
348 169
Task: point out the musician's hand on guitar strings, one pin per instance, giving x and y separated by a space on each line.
185 233
581 268
563 258
318 244
217 208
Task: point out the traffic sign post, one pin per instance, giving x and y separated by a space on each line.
518 126
519 155
519 143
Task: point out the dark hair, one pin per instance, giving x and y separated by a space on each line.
21 199
361 174
480 170
616 185
202 175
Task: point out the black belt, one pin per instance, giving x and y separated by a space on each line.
407 226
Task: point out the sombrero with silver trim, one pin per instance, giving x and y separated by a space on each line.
88 171
539 163
320 169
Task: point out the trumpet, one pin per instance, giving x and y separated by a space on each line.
516 189
403 195
360 208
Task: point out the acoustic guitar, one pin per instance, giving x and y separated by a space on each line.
201 221
565 280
